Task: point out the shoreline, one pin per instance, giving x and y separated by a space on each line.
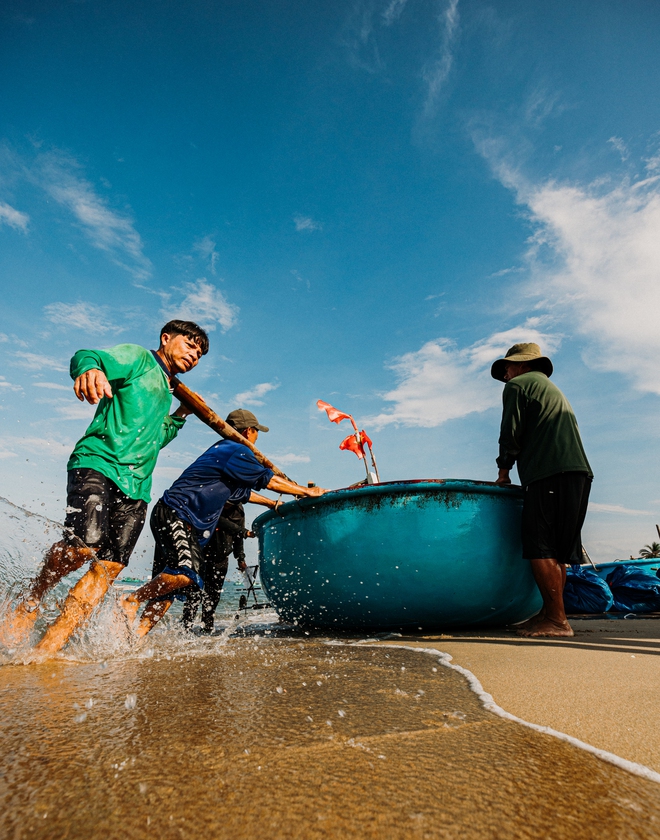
601 687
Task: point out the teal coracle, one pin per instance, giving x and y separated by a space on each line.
431 554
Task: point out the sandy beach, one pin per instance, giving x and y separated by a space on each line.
601 687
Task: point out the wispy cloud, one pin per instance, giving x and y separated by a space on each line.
593 261
12 217
437 72
51 386
107 229
206 248
441 381
37 361
306 223
620 146
70 408
254 395
37 445
393 11
205 304
602 274
84 316
359 41
540 104
8 386
291 458
597 507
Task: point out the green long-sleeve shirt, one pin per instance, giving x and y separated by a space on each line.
539 430
128 431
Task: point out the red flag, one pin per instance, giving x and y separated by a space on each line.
365 439
334 414
351 444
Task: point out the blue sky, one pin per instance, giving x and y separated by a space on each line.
364 202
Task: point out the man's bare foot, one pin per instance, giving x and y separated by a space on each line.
130 606
530 622
548 628
16 628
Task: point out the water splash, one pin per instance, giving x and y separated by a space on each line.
25 537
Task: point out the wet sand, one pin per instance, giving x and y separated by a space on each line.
291 738
601 687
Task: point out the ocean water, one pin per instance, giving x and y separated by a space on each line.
269 731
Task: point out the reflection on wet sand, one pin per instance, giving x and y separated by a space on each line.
284 738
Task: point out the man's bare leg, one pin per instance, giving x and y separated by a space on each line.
550 577
154 611
161 585
80 602
61 560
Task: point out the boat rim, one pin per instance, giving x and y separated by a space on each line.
456 485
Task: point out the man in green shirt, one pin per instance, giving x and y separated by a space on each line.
109 473
539 432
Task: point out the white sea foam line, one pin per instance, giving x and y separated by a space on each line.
490 705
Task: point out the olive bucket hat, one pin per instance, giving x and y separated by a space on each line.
242 419
530 353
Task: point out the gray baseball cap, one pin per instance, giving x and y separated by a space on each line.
242 419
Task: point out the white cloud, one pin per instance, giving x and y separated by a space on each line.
594 260
393 11
107 229
206 249
540 104
596 263
53 386
168 472
75 410
306 223
620 146
12 217
436 73
205 304
597 507
38 445
4 383
37 361
291 458
441 382
83 316
254 395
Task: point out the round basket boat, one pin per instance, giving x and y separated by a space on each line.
428 554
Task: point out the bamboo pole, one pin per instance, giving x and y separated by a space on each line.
200 409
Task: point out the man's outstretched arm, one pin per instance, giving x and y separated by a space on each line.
283 485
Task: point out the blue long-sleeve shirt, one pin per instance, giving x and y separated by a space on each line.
226 470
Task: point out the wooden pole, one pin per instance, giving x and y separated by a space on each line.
200 409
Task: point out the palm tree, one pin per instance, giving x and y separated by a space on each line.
652 550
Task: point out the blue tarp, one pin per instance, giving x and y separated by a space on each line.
635 589
585 592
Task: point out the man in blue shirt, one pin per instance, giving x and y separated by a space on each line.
184 520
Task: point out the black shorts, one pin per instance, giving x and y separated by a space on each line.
101 516
177 550
553 514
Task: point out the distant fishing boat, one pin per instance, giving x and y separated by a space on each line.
428 554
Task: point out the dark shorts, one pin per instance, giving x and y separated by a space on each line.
177 550
101 516
553 513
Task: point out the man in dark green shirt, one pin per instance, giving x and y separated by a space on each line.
539 432
109 473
